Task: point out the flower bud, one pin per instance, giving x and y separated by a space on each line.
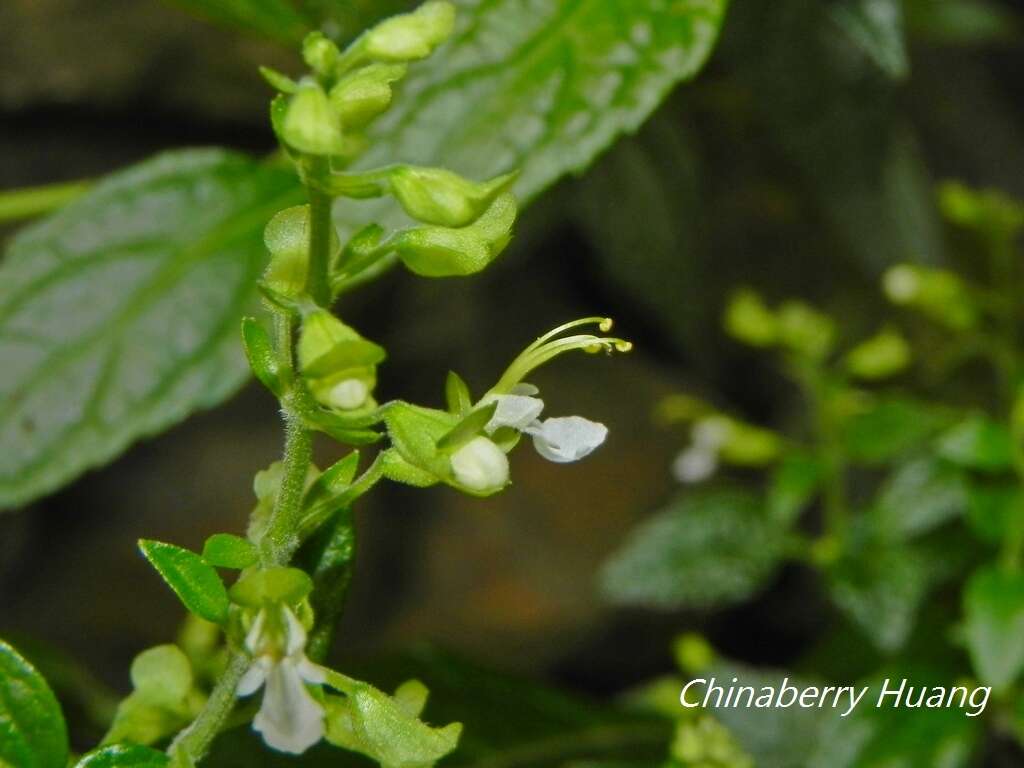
310 124
320 53
441 251
287 238
939 294
437 196
804 330
883 355
480 466
338 364
365 94
411 36
747 319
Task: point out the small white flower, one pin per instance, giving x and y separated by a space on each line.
349 394
561 439
566 438
480 465
695 464
700 460
290 719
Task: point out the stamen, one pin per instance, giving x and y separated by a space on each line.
548 347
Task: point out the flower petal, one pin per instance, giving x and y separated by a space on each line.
296 632
567 438
290 719
254 676
522 388
308 671
516 411
255 633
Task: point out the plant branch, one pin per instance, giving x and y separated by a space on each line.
27 202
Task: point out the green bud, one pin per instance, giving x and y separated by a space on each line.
162 676
411 36
365 94
747 319
986 211
936 293
693 653
271 585
737 442
338 364
320 53
883 355
442 252
437 196
311 125
804 330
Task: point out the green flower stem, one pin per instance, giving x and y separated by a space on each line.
320 224
829 448
17 204
281 539
189 747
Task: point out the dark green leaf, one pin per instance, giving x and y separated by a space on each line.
881 589
193 580
992 507
994 624
961 22
876 27
124 307
919 496
226 550
124 756
794 484
32 730
276 19
704 550
329 557
892 428
978 443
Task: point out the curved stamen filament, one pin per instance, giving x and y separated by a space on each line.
547 347
603 323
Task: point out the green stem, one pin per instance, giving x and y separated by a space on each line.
17 204
830 451
192 744
320 230
281 537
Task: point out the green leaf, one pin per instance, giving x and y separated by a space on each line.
260 353
276 19
704 550
225 550
193 580
891 428
978 443
992 507
880 589
124 309
543 87
124 756
329 558
794 484
876 27
371 722
32 730
920 496
961 22
994 625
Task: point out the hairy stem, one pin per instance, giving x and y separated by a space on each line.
280 539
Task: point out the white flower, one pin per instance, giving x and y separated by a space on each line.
562 439
480 465
348 394
700 460
290 719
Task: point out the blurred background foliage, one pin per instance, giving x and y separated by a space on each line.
802 161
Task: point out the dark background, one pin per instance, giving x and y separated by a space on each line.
802 169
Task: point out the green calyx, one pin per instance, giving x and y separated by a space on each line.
287 586
287 239
338 365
